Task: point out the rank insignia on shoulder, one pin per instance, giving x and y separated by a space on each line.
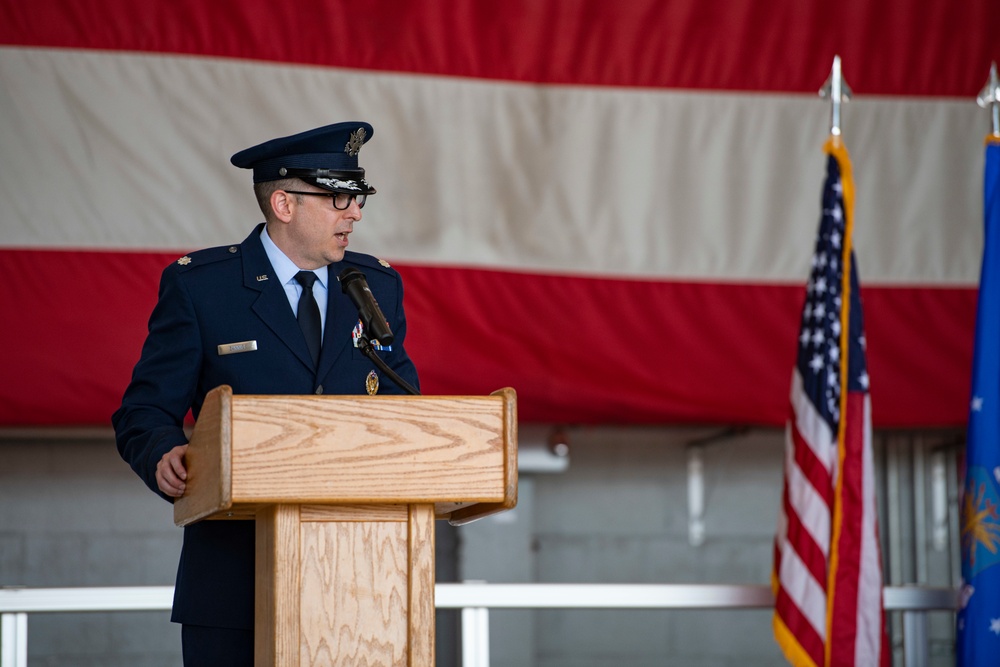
184 261
371 383
384 263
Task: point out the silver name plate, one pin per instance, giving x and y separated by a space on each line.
236 348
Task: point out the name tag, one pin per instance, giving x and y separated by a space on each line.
236 348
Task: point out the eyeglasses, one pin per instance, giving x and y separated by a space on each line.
341 200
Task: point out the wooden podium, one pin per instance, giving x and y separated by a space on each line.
345 491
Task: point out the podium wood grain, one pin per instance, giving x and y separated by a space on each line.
248 451
351 587
345 491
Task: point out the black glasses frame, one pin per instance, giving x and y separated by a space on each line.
360 198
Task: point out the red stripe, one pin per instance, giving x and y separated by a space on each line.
73 326
888 47
904 329
800 628
844 595
577 350
805 546
599 350
814 470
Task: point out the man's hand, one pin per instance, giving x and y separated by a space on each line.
171 473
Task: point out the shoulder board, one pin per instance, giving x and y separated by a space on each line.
368 262
207 256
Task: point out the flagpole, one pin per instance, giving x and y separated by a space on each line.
827 576
989 98
836 89
978 618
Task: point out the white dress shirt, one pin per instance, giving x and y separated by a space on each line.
285 271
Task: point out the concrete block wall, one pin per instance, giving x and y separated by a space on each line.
72 513
619 514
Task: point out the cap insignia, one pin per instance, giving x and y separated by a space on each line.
356 141
184 261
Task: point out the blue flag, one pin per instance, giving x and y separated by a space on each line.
979 614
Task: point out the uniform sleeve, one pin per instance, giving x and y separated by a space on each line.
150 421
399 360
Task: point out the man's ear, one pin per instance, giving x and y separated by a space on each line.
282 204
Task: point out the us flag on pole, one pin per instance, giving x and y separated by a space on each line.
827 576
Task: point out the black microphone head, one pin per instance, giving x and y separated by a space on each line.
373 322
348 275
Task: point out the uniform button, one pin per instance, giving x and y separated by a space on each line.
319 389
232 248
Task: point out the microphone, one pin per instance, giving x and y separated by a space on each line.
354 285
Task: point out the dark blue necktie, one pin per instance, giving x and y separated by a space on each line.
308 314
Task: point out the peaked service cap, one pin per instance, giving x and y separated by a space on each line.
326 157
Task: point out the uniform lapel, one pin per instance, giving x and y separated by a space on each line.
272 304
341 318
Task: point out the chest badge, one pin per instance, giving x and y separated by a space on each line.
371 383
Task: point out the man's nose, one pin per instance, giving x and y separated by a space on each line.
354 211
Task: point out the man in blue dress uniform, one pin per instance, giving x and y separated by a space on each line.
246 316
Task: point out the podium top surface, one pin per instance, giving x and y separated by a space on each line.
250 451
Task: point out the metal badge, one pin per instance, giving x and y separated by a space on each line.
384 263
356 141
236 348
262 278
184 261
356 334
371 383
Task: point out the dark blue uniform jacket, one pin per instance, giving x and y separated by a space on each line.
226 295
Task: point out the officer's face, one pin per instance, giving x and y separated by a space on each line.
318 232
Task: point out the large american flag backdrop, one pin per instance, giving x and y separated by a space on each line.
606 206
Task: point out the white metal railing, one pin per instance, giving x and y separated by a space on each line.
475 600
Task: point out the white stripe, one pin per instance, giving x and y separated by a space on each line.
803 590
813 428
869 614
130 151
781 532
810 507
